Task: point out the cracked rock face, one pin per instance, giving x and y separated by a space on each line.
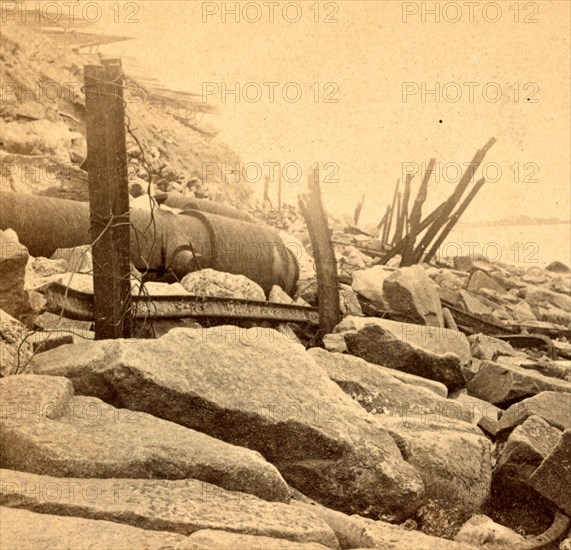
503 384
251 388
380 346
410 290
454 460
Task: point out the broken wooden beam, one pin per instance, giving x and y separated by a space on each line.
315 216
415 216
453 220
452 201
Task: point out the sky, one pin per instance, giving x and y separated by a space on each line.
358 77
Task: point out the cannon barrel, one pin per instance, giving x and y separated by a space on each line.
160 241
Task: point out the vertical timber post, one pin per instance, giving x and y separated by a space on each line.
108 199
315 216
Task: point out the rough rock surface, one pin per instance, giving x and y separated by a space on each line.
474 305
488 348
183 506
483 532
380 393
279 296
348 301
13 262
480 280
369 282
78 259
432 339
501 384
47 430
211 539
15 352
379 346
476 409
522 453
554 474
454 460
230 383
209 282
553 407
409 290
358 532
25 529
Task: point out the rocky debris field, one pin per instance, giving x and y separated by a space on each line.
395 431
391 434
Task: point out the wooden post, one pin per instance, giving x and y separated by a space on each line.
108 199
401 219
391 213
411 235
454 219
386 228
398 229
358 209
415 215
315 216
450 204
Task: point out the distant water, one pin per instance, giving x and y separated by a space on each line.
525 245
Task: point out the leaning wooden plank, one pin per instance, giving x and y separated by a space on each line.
323 252
452 201
453 220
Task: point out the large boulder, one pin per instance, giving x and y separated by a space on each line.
552 406
380 346
503 385
454 460
409 290
554 474
25 529
252 387
380 393
432 339
522 453
183 506
45 429
209 282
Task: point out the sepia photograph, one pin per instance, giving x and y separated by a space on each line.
285 275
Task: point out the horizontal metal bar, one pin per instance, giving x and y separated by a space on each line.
74 304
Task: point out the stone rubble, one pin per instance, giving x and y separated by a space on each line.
401 434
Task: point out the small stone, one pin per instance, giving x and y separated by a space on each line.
208 282
483 532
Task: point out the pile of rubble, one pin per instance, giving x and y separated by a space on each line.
396 435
